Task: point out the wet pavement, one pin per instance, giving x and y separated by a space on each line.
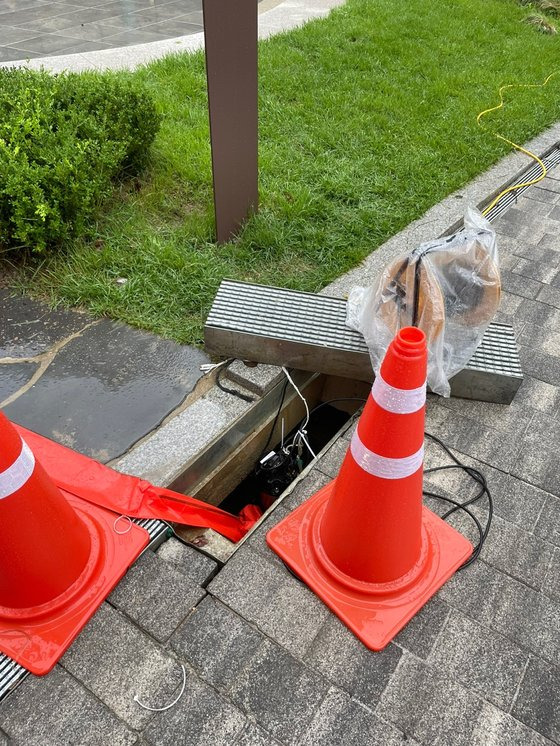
93 385
38 28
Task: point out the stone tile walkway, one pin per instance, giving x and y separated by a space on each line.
267 663
93 385
37 28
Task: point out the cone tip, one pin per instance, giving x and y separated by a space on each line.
410 341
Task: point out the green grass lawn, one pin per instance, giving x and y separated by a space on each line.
367 118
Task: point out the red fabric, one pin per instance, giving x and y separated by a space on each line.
131 496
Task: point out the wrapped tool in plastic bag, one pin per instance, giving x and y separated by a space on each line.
449 287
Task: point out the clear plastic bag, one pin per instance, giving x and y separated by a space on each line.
449 287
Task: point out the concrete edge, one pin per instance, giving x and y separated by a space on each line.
273 19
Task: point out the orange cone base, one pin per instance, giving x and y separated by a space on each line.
37 637
375 612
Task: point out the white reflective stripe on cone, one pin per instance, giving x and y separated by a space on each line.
16 475
381 466
398 401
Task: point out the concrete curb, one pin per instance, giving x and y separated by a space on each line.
272 20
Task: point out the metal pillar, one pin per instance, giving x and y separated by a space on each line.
230 30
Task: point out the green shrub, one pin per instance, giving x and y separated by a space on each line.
63 140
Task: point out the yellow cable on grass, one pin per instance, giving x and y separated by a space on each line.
536 158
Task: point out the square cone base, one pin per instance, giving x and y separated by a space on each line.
375 612
37 637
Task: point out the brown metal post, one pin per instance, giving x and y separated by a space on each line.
230 30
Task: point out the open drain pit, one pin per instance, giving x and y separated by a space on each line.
256 459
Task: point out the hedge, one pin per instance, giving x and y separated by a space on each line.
64 140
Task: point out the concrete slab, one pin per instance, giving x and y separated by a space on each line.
106 388
29 328
13 377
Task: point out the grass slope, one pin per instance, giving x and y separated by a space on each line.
367 119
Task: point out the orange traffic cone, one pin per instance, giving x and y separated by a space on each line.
364 543
59 558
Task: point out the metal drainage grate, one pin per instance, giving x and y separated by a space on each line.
550 161
11 673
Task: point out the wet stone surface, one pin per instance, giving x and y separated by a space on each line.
106 388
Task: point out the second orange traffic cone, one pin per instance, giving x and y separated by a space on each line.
364 543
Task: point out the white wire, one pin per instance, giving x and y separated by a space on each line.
171 704
301 431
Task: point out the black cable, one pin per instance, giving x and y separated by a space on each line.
226 389
478 477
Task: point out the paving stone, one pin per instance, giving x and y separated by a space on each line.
108 388
510 418
429 704
515 500
521 286
538 702
539 466
548 524
517 552
14 376
116 661
422 631
156 595
266 594
544 430
340 720
483 661
279 692
200 718
530 208
540 338
541 271
259 379
509 303
508 262
550 184
494 447
216 642
496 728
345 661
537 313
551 584
550 295
540 365
474 591
188 560
542 195
551 240
541 254
29 328
535 394
529 618
55 710
255 736
305 489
